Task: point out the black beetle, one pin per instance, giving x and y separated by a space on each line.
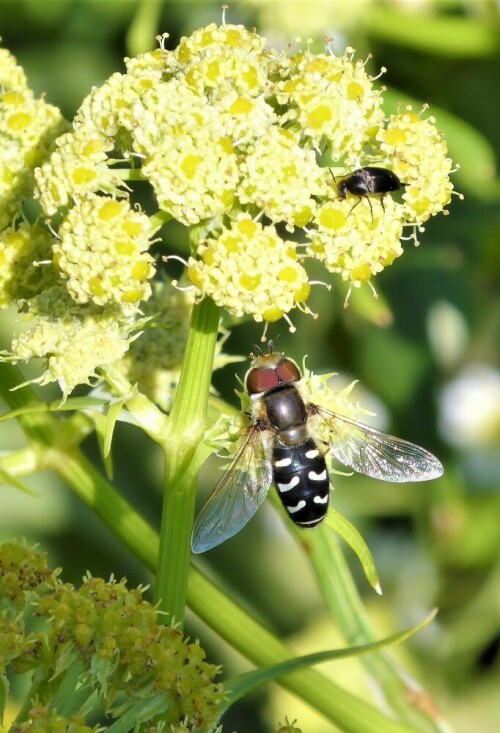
369 181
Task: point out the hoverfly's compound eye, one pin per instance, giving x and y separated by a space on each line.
288 371
261 380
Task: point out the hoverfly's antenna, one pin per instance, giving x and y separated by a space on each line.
271 342
258 350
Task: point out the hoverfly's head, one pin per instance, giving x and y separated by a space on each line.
269 371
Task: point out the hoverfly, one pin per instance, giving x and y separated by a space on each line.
280 449
369 181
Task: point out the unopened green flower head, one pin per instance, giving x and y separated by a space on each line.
116 637
289 727
22 570
44 720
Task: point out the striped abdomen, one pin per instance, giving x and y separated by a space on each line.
301 479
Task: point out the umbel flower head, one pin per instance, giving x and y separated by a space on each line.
123 653
238 143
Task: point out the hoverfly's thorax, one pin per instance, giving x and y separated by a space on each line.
284 408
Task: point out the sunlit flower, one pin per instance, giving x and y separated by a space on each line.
28 128
72 345
250 269
419 157
333 100
357 242
103 252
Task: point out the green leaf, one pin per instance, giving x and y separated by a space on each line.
442 35
245 684
72 403
6 478
350 534
142 712
71 693
4 692
113 413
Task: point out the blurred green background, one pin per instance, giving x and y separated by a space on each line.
426 354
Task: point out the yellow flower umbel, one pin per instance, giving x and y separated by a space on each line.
103 252
237 143
250 269
28 127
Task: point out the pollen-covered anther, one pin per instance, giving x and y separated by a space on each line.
250 269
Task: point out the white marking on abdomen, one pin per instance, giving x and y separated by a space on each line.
320 499
284 462
317 476
290 485
312 453
300 505
312 521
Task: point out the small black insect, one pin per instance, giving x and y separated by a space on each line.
369 181
282 447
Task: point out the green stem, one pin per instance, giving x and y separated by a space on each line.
185 431
411 703
217 610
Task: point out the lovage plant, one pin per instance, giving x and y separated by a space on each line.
253 151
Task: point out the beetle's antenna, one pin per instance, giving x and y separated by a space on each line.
258 350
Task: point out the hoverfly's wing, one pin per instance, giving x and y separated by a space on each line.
237 496
377 454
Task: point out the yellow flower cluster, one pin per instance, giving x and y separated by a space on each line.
24 253
103 252
77 168
28 127
73 345
357 243
250 269
226 131
236 142
294 180
418 155
333 100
